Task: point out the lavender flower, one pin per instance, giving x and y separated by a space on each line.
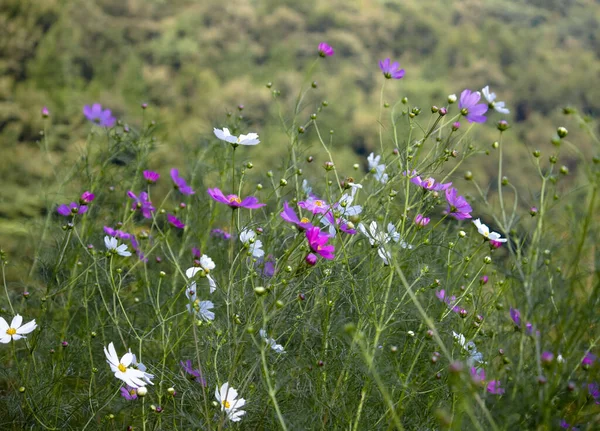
470 109
391 70
98 116
325 50
221 233
493 387
71 209
594 391
458 207
195 375
129 393
430 184
234 201
180 183
290 216
141 202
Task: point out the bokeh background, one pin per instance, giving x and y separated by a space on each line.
193 62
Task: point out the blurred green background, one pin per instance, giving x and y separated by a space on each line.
195 61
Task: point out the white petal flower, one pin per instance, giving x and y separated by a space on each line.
271 342
15 330
306 188
139 366
204 312
375 237
227 397
379 168
485 231
207 263
248 238
385 255
112 245
393 234
121 367
225 135
491 99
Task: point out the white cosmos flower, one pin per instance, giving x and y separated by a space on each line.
227 397
385 255
248 238
375 237
139 366
345 206
485 231
202 308
475 357
491 99
271 342
306 188
206 265
121 368
380 174
15 330
225 135
112 245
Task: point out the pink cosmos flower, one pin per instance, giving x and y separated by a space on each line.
478 375
86 198
317 242
469 107
180 183
391 70
175 221
141 202
314 205
290 216
220 233
71 209
493 387
99 116
458 207
430 184
193 374
129 393
325 50
234 201
422 221
117 233
151 176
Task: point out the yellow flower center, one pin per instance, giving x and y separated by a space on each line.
11 331
304 220
132 392
226 404
122 368
319 203
235 199
430 182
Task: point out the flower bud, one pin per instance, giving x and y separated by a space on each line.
452 98
142 391
536 153
562 132
443 112
502 125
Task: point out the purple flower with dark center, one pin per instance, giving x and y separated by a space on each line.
325 50
117 233
594 391
469 107
151 176
493 387
175 221
86 198
234 201
430 184
290 216
141 202
180 183
98 116
129 393
317 242
422 221
221 233
195 375
391 70
458 207
314 205
71 209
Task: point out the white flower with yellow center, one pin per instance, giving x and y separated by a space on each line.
121 367
206 265
230 404
248 238
113 246
15 331
485 231
225 135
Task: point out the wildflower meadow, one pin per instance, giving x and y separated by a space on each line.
401 292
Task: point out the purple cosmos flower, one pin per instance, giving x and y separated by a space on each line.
429 184
422 221
450 301
594 391
314 205
391 70
478 375
266 267
564 424
129 393
234 201
469 107
117 233
337 223
180 183
455 126
195 375
142 203
515 315
484 280
290 216
547 357
325 50
221 233
86 197
71 209
317 240
458 207
151 176
493 387
496 244
196 252
175 221
45 112
588 360
98 116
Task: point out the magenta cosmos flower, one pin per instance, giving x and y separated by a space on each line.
71 209
325 50
290 216
141 202
180 183
234 201
175 221
151 176
391 70
314 205
317 241
99 116
430 184
86 198
470 109
458 207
